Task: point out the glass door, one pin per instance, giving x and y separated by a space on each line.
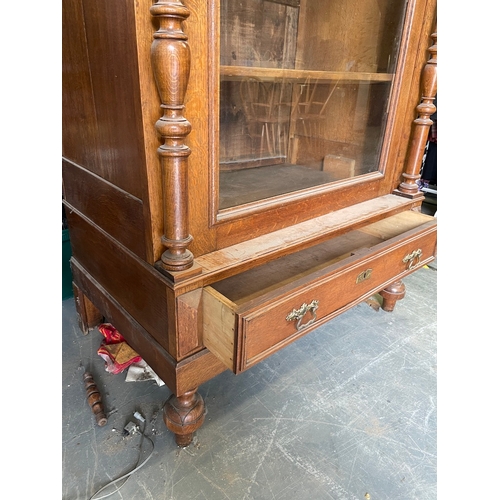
304 93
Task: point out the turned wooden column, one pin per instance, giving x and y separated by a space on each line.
391 294
183 415
421 124
171 61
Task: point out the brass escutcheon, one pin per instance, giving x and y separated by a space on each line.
298 314
408 259
364 275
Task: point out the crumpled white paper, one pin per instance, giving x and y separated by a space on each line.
141 372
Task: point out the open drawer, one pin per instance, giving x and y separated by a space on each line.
249 316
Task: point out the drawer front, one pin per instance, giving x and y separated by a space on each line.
263 330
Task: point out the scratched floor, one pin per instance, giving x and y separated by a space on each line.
345 413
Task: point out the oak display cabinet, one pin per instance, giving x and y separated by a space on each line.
238 173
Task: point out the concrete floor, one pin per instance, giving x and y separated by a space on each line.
348 412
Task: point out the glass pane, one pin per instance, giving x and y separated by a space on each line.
304 89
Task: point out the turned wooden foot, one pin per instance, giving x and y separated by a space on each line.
391 294
183 415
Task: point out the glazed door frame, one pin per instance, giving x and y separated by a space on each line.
214 229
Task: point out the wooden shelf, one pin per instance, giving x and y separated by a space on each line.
272 74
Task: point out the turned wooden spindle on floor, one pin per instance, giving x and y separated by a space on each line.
94 399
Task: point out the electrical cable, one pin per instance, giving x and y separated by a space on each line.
128 474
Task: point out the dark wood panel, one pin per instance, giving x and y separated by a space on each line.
79 121
113 64
112 209
103 76
136 286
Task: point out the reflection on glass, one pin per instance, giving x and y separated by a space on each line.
304 86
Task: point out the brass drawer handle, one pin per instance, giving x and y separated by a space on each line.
416 254
298 314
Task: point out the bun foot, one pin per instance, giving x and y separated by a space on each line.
183 415
391 294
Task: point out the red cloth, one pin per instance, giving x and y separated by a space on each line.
115 351
110 333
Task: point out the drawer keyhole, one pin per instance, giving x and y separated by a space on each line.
298 314
364 275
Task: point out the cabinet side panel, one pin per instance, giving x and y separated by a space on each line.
79 121
101 100
180 377
115 211
134 285
136 336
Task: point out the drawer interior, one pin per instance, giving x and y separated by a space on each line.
256 282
